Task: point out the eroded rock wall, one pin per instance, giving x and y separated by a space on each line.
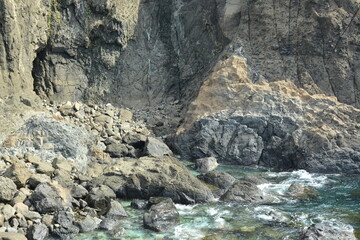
272 124
313 43
23 32
135 53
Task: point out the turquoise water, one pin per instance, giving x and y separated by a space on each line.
282 218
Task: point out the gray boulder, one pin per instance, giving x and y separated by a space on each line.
157 176
100 198
162 216
138 204
299 191
37 232
64 227
116 210
117 150
7 190
323 231
206 164
68 141
88 224
243 191
220 180
50 197
78 191
155 147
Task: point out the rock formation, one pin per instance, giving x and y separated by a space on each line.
270 124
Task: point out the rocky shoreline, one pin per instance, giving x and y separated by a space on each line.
65 172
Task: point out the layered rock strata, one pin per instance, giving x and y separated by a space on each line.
270 124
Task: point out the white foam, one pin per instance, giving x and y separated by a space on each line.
187 232
186 209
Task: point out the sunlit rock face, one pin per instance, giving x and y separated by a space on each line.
271 124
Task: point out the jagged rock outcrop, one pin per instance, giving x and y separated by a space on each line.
136 53
314 44
270 124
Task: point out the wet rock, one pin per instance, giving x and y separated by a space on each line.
160 176
243 191
138 204
7 189
37 232
221 180
205 165
88 224
299 191
323 231
155 147
50 197
270 214
162 216
255 179
116 210
12 236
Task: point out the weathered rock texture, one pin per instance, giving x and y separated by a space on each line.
137 53
314 44
144 52
46 137
271 124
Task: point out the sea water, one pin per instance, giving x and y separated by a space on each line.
338 204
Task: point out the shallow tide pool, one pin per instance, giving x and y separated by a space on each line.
284 218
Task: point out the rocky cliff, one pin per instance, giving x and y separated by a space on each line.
273 124
140 53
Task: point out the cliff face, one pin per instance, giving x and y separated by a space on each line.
140 53
313 43
136 53
23 32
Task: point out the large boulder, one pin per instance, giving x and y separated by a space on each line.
161 216
66 140
37 232
100 198
50 197
156 176
323 231
299 191
7 190
222 181
270 124
243 191
156 147
206 164
88 224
